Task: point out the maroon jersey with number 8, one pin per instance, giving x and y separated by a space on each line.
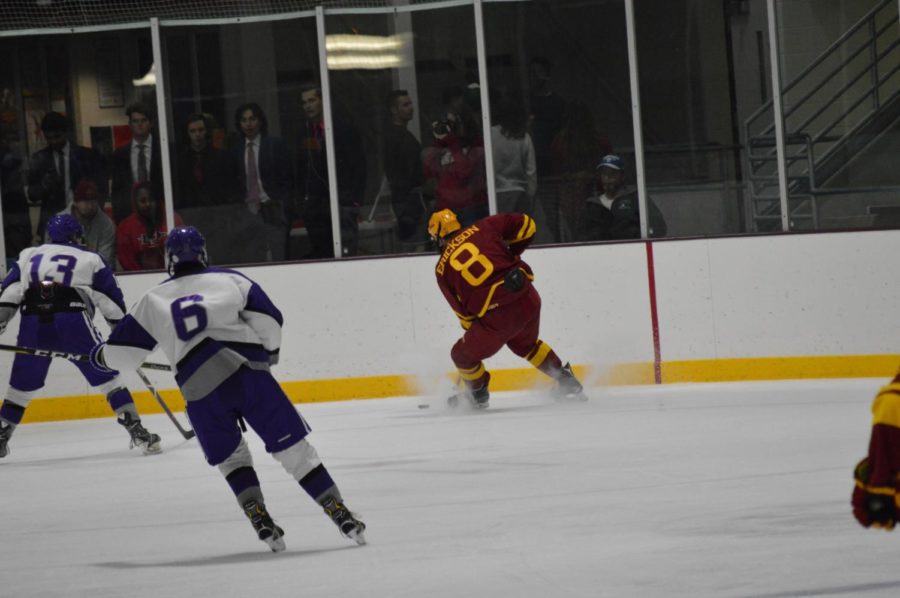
474 262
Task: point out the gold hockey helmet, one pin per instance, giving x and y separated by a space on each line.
443 223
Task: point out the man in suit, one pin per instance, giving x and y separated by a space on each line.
350 162
207 176
266 184
137 162
56 170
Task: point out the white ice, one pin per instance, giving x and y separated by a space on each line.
721 490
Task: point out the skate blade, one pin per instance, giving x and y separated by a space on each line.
455 402
358 536
578 397
153 449
275 544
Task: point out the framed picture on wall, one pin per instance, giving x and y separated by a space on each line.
110 88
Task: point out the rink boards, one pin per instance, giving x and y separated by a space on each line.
741 308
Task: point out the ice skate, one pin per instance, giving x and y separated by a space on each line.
350 526
266 530
140 437
5 433
477 398
568 388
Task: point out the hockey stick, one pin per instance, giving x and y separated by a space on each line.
163 367
188 434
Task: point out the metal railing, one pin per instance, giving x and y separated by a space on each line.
833 103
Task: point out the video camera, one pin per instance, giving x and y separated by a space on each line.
445 126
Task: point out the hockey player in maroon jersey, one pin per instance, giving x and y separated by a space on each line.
489 288
876 494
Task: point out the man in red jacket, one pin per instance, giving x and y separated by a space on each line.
876 494
489 288
141 237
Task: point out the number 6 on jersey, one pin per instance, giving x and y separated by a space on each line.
189 316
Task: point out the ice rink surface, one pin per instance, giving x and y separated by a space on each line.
724 490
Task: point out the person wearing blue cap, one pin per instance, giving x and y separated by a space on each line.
615 213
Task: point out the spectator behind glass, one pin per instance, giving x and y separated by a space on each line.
402 154
16 224
141 237
207 176
137 162
463 105
56 170
350 166
615 214
99 230
515 171
546 111
574 154
266 184
457 163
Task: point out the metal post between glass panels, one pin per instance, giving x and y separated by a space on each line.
325 85
779 115
636 117
485 107
163 129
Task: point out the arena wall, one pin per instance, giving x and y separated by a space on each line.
744 308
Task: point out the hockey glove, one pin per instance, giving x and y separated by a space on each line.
97 361
872 506
514 280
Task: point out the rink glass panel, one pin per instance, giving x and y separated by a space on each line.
425 53
88 77
566 62
213 71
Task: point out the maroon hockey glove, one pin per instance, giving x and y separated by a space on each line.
872 506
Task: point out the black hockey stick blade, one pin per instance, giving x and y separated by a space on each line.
188 434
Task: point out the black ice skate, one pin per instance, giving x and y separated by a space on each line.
350 526
266 530
568 388
477 398
5 433
140 437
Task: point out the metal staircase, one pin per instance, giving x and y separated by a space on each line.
850 87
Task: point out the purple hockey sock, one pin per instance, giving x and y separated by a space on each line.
118 398
244 482
12 412
318 484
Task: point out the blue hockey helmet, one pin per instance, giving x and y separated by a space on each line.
64 228
185 245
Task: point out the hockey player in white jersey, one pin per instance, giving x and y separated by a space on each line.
58 286
222 332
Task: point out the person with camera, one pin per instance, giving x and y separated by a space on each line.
456 161
56 170
489 287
